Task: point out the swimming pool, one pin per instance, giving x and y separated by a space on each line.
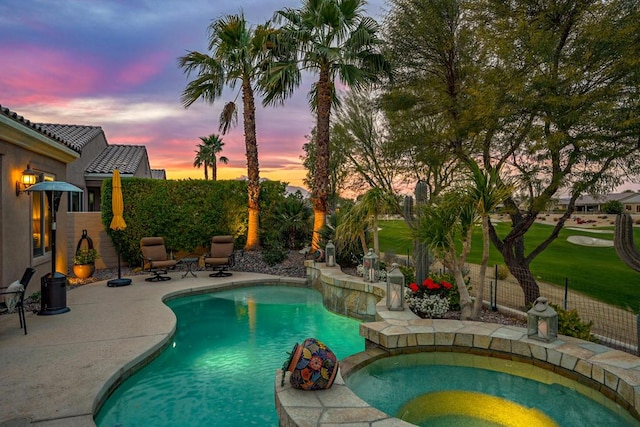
220 368
445 389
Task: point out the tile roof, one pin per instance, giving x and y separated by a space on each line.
127 158
158 174
38 128
77 135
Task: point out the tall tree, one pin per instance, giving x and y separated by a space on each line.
546 91
237 55
207 155
334 39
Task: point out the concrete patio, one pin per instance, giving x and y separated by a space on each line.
55 375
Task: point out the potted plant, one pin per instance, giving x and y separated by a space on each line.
84 263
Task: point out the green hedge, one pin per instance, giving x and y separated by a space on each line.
185 212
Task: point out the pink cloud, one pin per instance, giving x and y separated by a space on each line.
37 73
144 68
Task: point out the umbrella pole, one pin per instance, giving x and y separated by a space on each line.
119 281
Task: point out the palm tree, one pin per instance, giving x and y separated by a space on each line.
441 225
203 155
237 52
215 144
371 205
487 191
335 40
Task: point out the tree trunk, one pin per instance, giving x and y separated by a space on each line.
321 177
477 306
214 171
376 244
319 217
253 169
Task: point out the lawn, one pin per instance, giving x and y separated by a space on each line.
597 272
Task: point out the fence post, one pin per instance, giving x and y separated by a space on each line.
494 304
566 292
638 334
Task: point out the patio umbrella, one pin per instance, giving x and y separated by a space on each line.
54 285
117 223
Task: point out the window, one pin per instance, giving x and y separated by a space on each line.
74 203
40 221
637 208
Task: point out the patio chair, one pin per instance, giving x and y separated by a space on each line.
14 297
155 259
221 257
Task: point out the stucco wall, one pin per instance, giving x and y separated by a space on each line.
92 222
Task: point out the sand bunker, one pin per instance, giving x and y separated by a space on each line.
590 241
588 230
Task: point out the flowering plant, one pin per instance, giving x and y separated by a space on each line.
431 298
431 287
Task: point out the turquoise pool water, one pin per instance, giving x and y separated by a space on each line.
220 369
454 389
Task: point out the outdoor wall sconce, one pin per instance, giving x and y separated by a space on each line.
370 266
28 178
395 288
542 321
330 253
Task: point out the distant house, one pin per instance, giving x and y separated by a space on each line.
590 204
97 161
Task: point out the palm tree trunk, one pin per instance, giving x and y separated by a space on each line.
321 184
206 171
376 244
477 306
214 171
253 169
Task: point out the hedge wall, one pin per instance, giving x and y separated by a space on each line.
187 213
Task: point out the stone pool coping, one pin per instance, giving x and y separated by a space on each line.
614 373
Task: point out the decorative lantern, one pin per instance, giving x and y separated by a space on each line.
395 288
542 321
330 254
370 266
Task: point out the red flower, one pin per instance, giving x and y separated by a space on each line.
430 284
413 287
446 285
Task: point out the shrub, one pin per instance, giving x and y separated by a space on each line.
503 272
274 252
570 324
613 207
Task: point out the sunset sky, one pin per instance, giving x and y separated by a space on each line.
113 64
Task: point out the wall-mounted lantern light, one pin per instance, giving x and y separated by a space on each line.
27 179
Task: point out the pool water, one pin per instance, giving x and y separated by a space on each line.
220 368
454 389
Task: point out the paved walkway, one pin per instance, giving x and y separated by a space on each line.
54 375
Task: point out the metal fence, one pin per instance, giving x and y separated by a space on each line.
612 326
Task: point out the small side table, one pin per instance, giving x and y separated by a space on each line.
190 265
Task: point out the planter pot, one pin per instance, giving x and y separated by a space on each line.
313 365
84 271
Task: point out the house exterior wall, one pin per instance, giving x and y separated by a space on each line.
92 222
75 170
16 152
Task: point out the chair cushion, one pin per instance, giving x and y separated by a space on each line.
154 253
11 300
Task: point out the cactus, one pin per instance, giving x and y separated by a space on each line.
420 250
623 242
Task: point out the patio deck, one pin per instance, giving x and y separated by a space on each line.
55 375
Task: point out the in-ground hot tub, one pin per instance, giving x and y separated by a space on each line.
446 388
